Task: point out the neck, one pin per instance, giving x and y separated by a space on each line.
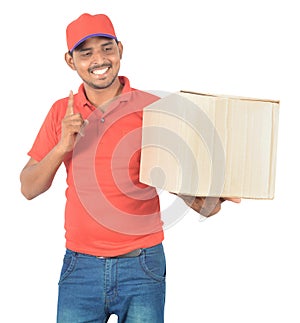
99 97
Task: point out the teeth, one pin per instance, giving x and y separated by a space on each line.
100 72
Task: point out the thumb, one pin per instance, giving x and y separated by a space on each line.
233 199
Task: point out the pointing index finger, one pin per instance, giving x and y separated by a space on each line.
70 108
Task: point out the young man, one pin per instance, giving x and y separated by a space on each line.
114 262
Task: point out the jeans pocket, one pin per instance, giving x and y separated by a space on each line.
153 263
68 266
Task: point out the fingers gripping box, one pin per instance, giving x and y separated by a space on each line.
210 145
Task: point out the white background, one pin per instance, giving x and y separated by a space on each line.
238 266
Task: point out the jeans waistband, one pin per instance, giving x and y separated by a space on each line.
130 254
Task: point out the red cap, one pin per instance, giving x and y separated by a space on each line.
87 26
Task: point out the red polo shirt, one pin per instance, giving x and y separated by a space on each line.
108 211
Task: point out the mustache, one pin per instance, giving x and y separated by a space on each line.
94 67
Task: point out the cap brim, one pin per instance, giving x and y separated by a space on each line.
90 36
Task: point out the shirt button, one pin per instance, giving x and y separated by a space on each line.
102 120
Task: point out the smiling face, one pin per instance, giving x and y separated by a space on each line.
97 62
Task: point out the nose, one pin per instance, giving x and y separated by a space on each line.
98 58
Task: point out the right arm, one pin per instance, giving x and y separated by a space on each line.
36 177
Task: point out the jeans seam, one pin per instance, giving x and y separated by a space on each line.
147 271
140 293
69 270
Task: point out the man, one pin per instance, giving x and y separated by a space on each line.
114 262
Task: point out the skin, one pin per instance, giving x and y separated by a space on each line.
97 62
207 206
96 53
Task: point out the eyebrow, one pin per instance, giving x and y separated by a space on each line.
85 49
108 43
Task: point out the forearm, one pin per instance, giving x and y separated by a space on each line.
37 177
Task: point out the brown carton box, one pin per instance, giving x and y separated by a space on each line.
210 145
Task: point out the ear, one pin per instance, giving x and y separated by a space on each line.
70 61
120 46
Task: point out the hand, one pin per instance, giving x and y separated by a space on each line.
206 206
71 125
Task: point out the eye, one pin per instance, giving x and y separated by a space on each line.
85 54
108 49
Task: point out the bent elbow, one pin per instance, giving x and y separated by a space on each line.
27 194
30 191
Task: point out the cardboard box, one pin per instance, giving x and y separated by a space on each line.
210 145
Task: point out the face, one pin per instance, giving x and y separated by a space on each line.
97 62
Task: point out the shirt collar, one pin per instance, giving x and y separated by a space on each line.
125 94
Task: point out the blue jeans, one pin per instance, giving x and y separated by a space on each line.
91 288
